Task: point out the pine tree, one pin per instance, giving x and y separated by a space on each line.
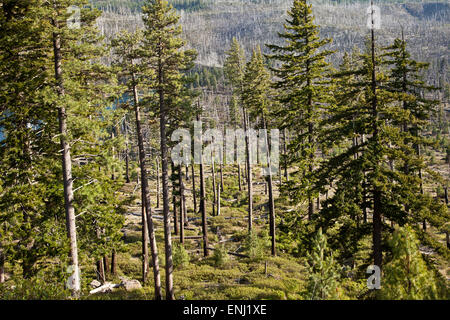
406 276
234 68
29 210
368 173
165 57
323 270
73 92
409 90
127 48
256 96
303 92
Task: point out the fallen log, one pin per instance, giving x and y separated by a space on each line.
193 237
107 287
232 253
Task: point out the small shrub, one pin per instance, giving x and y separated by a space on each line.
220 256
180 256
255 246
36 288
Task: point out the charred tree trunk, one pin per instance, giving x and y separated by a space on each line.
101 271
213 175
113 262
221 174
446 195
127 151
203 206
239 176
157 183
286 174
218 199
271 197
2 267
182 213
144 239
174 201
106 264
249 175
194 191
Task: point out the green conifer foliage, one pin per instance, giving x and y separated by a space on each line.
165 59
324 273
406 276
303 91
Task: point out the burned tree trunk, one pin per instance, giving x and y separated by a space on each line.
194 192
157 183
203 205
182 213
213 175
249 175
113 262
174 201
2 267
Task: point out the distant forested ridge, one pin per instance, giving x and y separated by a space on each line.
209 26
135 5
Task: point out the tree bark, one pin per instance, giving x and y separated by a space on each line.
286 174
180 177
144 238
221 175
66 165
446 195
147 220
249 175
157 183
2 267
101 271
271 197
113 262
106 264
376 236
239 176
174 202
218 199
203 206
127 157
194 195
165 186
213 175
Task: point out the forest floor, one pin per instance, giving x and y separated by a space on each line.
265 277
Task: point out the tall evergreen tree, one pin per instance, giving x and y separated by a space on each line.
406 275
165 57
303 92
127 47
369 177
409 90
256 96
323 270
29 163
